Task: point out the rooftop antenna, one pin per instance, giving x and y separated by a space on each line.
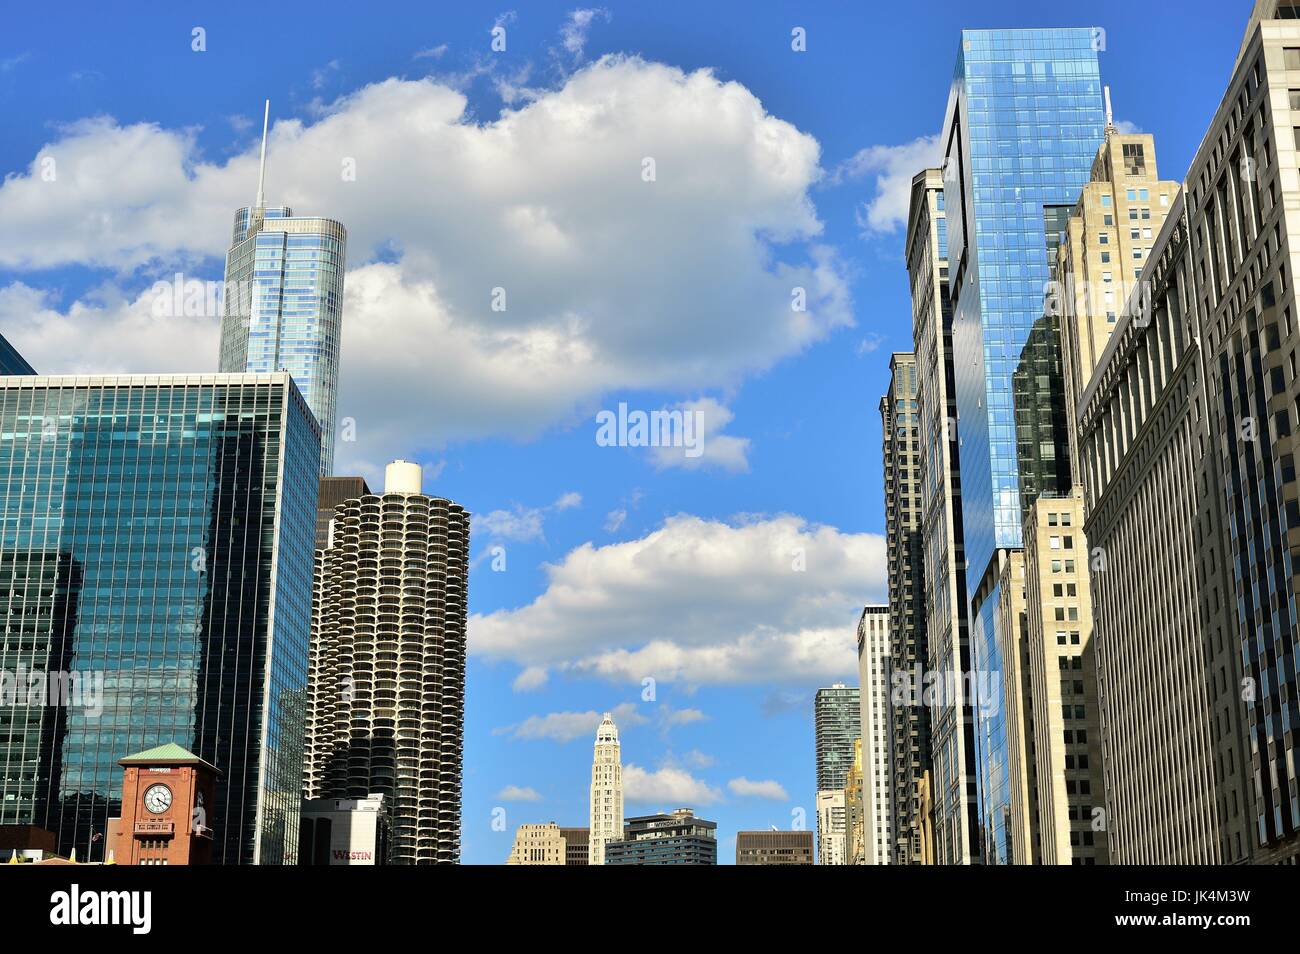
261 173
1110 117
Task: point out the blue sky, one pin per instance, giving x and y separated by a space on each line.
522 169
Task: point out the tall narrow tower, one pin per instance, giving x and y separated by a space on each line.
606 791
386 669
283 308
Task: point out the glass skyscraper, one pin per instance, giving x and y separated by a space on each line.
1024 120
283 306
11 362
156 550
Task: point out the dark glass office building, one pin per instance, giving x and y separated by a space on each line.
156 552
676 839
11 362
1024 120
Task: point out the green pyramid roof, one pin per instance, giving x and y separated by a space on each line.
171 752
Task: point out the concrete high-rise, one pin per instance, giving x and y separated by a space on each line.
943 576
774 847
679 838
386 700
1167 670
157 550
832 841
877 737
538 845
909 718
836 718
606 791
283 306
837 722
1000 208
1242 198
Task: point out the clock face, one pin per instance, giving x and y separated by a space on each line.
158 798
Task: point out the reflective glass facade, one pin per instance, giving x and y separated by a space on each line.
1024 121
991 754
11 362
156 537
284 306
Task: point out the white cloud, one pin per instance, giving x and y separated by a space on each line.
1126 127
670 718
717 450
893 168
615 519
533 677
612 282
517 793
701 601
432 52
567 726
669 787
524 524
697 759
768 788
573 35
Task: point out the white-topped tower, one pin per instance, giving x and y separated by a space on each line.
606 791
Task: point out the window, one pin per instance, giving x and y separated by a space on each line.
1291 58
1103 238
1105 199
1134 159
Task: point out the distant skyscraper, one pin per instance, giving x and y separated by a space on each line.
877 737
538 845
832 843
947 610
386 700
155 535
837 718
668 839
333 491
774 847
837 722
283 308
1000 207
11 362
909 719
855 806
606 791
548 844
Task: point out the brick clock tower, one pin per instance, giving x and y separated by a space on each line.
167 800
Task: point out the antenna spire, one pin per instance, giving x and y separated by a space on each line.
261 173
1110 117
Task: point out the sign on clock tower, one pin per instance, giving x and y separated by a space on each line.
167 799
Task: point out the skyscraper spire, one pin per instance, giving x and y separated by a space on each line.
1110 116
261 172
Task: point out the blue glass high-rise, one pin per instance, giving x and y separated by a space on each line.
283 308
1024 120
156 540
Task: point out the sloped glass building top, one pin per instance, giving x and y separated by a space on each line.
1025 118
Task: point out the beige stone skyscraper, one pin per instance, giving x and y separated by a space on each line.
606 791
1188 431
877 737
